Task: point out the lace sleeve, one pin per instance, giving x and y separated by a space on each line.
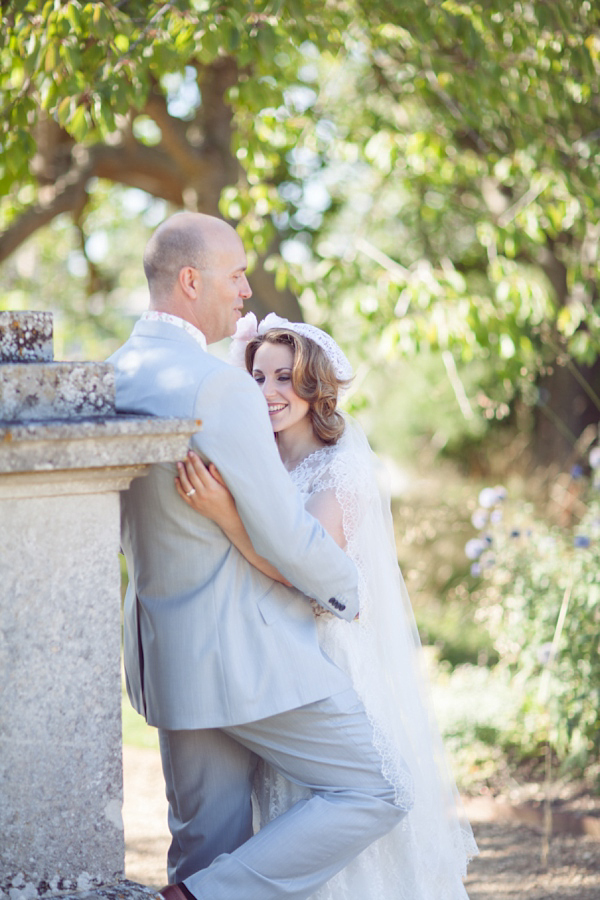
325 507
341 483
334 481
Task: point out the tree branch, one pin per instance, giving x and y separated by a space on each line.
134 165
67 194
174 134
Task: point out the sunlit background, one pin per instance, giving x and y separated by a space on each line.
421 180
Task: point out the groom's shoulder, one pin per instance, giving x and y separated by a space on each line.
168 351
218 375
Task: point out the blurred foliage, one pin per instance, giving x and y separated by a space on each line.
431 518
427 173
463 191
488 570
174 97
536 588
472 703
408 405
92 283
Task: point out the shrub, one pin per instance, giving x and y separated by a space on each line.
538 590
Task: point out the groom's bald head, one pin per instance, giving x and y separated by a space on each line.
183 240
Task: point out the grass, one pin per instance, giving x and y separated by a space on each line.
136 733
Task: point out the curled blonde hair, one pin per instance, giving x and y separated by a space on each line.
313 379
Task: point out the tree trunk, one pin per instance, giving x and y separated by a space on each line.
565 409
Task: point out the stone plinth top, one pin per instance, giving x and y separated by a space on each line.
115 441
119 890
25 336
56 390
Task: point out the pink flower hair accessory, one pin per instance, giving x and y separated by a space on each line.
246 329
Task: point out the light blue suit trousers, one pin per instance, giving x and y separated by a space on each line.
325 746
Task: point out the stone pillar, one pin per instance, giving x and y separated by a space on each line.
64 456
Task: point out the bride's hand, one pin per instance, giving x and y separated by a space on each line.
204 490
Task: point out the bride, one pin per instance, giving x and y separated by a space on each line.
301 370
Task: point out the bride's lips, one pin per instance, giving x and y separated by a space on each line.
276 408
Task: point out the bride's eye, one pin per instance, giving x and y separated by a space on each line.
259 378
284 378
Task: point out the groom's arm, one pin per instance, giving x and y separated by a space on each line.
237 436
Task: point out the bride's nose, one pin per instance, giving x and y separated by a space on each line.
268 387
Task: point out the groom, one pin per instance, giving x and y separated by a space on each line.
224 661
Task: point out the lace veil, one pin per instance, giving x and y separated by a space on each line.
385 659
382 653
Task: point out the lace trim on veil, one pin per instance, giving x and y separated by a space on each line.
427 855
349 478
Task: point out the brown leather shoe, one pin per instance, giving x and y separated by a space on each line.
173 892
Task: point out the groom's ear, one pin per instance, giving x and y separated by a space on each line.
190 281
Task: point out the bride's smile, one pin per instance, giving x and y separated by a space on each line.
274 408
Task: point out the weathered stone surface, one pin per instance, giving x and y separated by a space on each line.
60 734
25 336
60 683
64 457
119 890
117 441
56 390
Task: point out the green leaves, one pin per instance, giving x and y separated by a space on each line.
536 569
80 123
455 146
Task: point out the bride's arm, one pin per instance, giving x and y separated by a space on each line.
324 506
212 499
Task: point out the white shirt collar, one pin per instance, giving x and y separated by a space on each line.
154 315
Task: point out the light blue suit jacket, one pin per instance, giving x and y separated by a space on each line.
209 640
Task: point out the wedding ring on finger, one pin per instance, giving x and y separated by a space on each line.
189 493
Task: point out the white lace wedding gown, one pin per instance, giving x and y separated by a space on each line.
426 856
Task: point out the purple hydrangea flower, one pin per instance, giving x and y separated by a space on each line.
479 518
576 471
488 497
474 548
581 540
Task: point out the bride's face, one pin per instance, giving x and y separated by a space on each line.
272 371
